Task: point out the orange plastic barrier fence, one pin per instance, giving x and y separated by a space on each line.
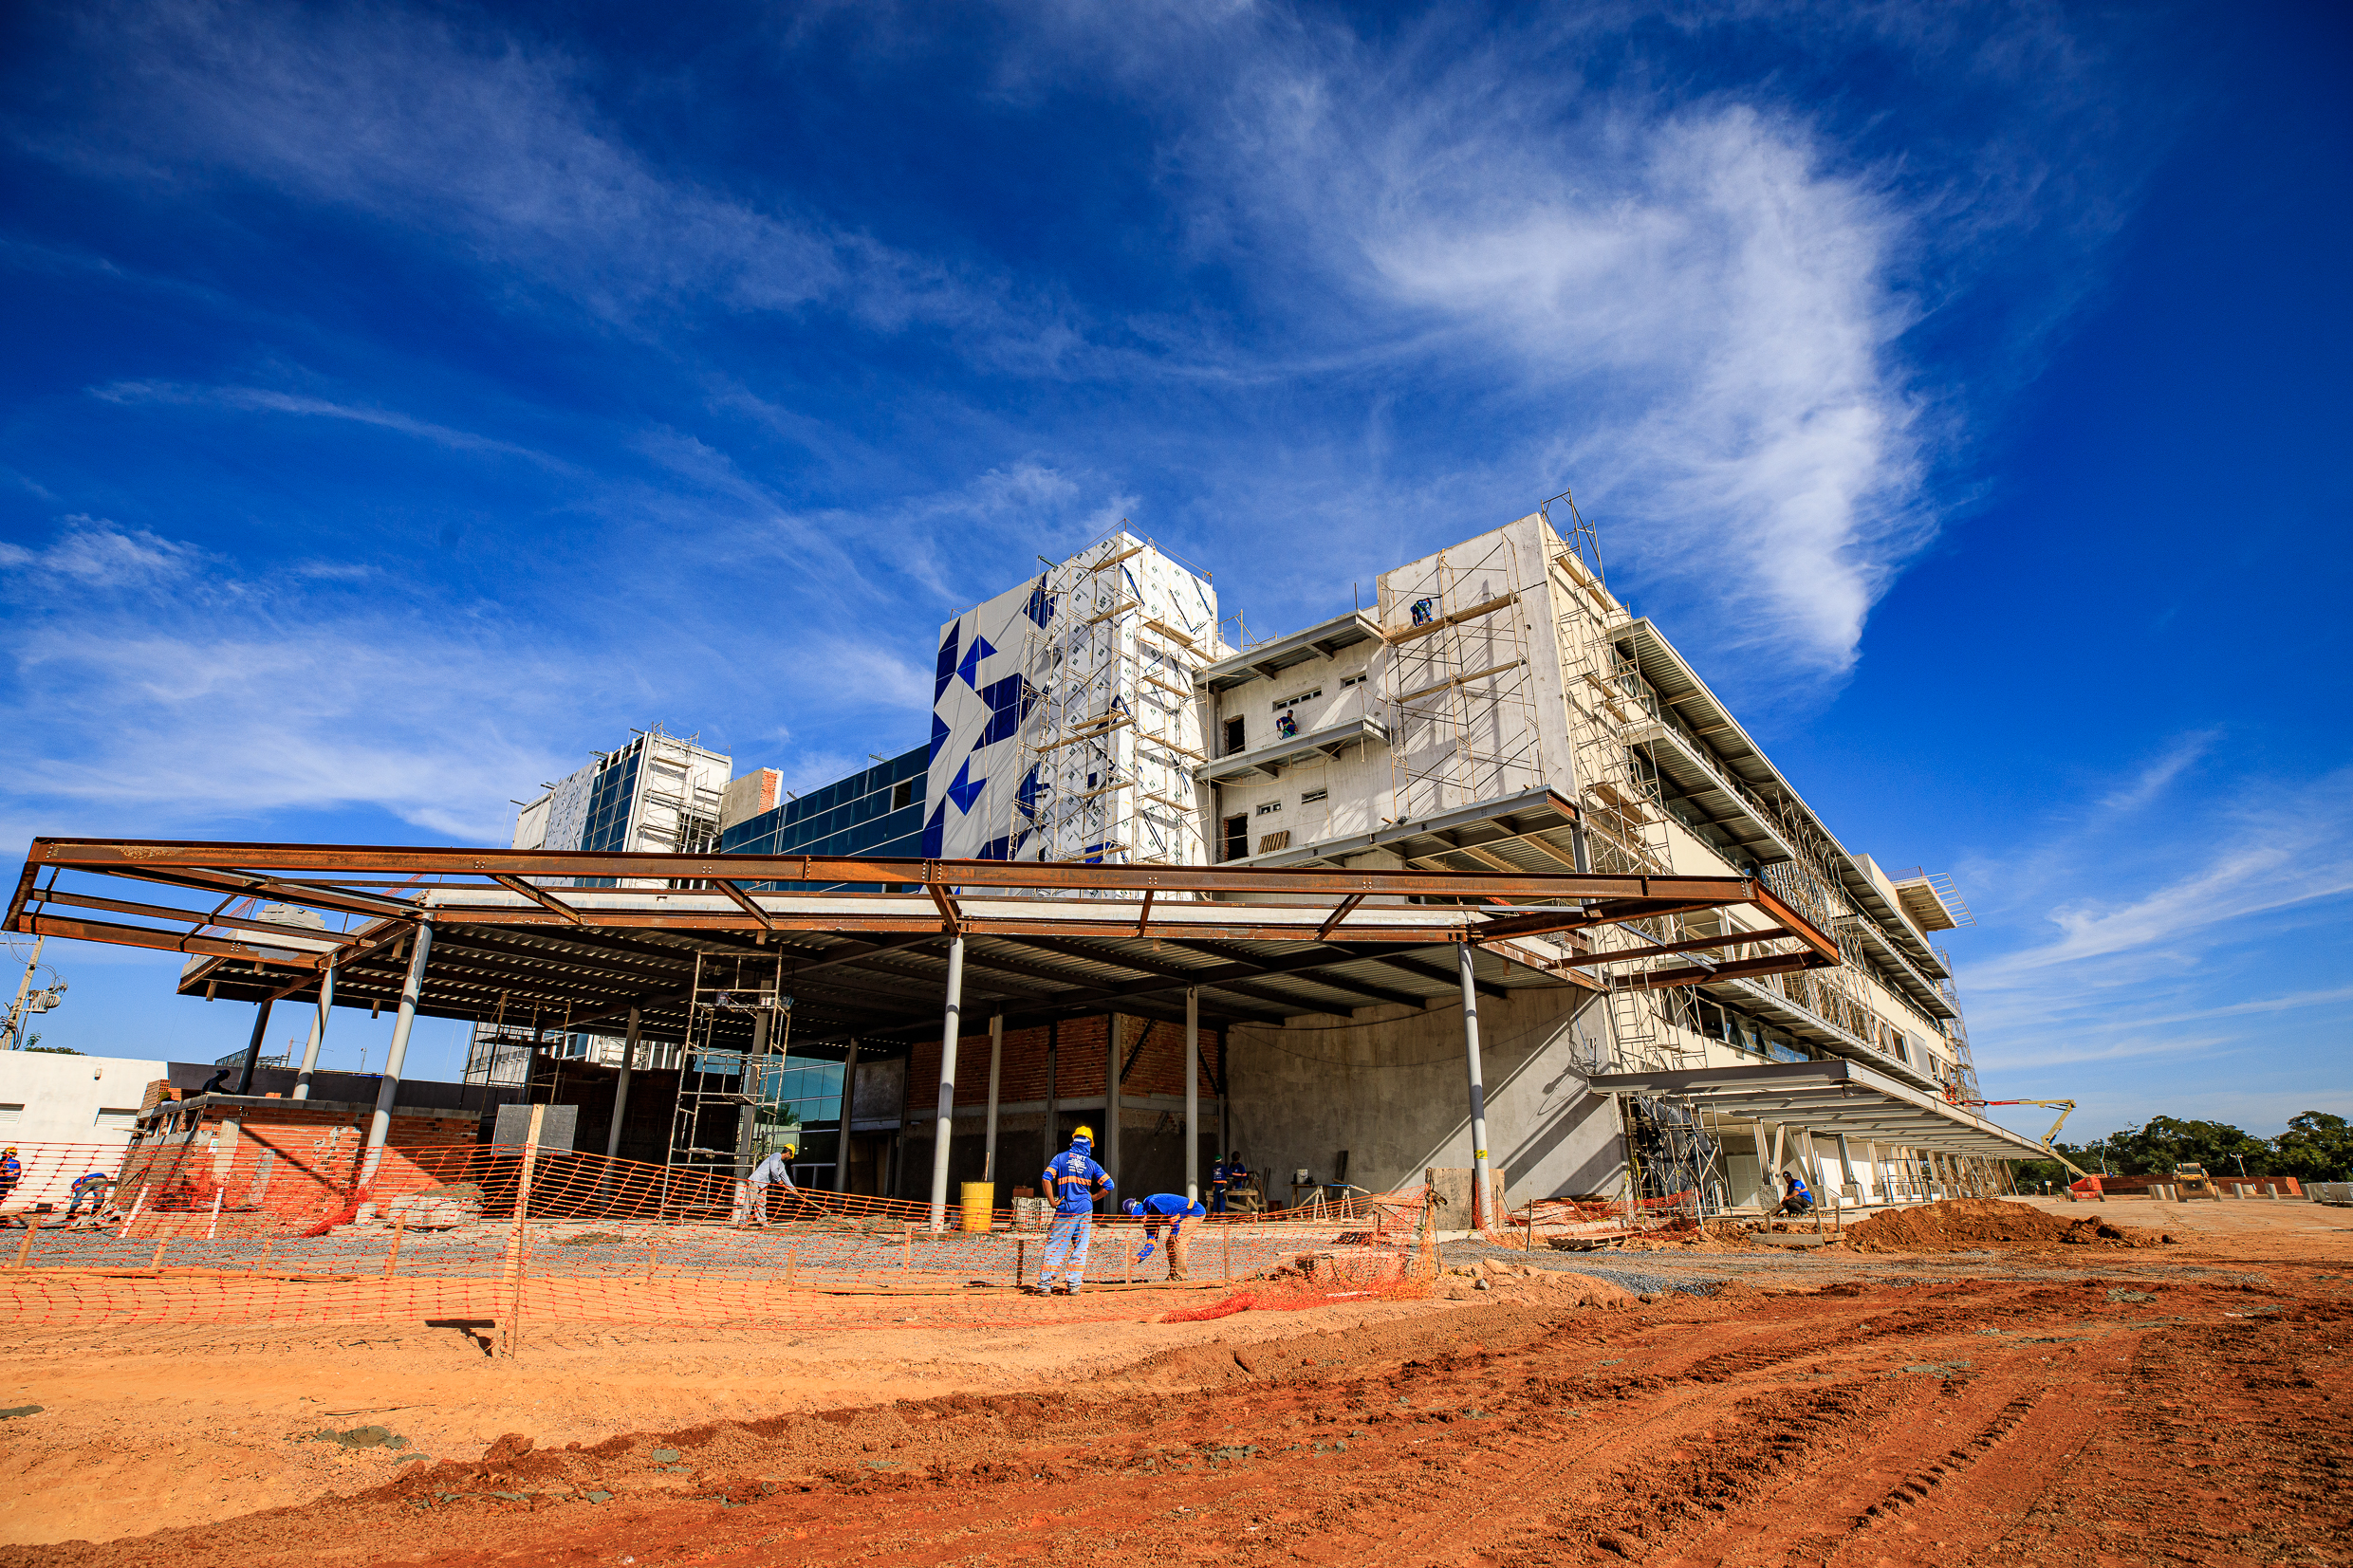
501 1234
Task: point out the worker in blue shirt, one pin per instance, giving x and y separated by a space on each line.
1074 1181
1173 1209
1223 1175
94 1190
1800 1199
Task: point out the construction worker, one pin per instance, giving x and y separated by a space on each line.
1222 1175
1074 1181
1800 1198
1173 1209
10 1173
93 1190
772 1172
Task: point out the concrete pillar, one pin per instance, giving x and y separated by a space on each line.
849 1099
997 1067
1809 1162
1114 1033
318 1035
388 1093
1193 1094
253 1048
1847 1170
951 1032
747 1125
620 1086
1480 1196
1053 1104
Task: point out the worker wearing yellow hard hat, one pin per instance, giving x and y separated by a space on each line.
775 1171
1074 1181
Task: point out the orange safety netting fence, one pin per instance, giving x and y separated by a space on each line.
505 1235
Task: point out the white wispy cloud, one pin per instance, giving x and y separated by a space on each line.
2210 894
484 140
158 695
92 554
2154 780
266 401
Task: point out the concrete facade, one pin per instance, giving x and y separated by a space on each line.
63 1112
1386 1088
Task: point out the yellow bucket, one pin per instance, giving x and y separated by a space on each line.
980 1202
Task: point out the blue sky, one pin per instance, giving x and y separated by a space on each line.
402 403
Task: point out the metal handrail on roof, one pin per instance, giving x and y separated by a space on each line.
1653 652
1269 760
1268 659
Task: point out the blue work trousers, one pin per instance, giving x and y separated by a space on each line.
1066 1239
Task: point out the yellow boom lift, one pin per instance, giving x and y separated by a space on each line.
2061 1106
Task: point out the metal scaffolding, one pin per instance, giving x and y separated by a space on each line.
728 1114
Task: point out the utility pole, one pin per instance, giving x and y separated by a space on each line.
15 1030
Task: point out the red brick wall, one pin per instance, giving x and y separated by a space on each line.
1078 1063
315 1157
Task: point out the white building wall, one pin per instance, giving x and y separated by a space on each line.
82 1106
1062 722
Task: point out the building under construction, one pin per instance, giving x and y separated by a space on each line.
1483 879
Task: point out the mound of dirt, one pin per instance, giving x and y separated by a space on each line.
1964 1225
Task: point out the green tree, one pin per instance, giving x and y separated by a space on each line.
2316 1147
2157 1144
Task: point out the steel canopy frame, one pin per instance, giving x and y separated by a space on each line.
1052 939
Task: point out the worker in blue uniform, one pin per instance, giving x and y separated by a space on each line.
1074 1181
1800 1198
1173 1209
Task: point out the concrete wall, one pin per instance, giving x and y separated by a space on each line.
1391 1090
87 1101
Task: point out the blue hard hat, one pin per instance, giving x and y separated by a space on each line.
1134 1205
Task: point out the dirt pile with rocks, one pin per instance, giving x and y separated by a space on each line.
1965 1225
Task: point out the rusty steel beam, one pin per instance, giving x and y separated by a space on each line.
145 936
541 897
1323 931
1745 968
744 901
196 919
1697 943
103 853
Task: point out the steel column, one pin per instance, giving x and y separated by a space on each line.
1110 1142
620 1086
388 1093
253 1047
850 1096
1480 1197
996 1065
318 1035
1193 1095
951 1029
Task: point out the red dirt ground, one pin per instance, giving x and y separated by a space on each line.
2202 1417
1963 1225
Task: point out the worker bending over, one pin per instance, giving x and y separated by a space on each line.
1176 1210
1074 1181
94 1190
775 1171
